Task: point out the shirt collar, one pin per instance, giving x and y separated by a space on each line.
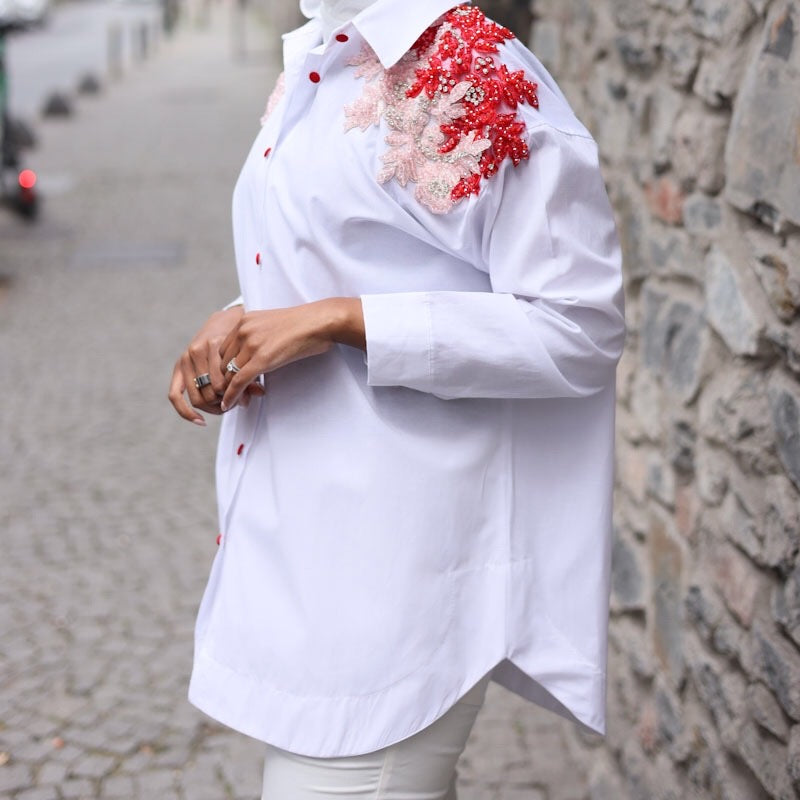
390 27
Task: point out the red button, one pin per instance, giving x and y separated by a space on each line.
267 152
219 539
342 37
240 450
258 259
314 77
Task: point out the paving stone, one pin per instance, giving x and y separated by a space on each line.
14 777
43 793
119 786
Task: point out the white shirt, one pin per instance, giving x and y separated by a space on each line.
396 525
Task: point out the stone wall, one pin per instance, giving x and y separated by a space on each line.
696 107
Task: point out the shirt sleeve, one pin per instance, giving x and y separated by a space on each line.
239 301
552 324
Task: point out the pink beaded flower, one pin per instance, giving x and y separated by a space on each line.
450 109
274 98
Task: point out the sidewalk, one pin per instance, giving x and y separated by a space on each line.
106 498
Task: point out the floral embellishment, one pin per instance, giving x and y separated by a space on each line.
450 108
274 98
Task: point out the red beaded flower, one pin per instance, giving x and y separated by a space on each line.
451 109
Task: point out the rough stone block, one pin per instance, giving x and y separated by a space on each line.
766 757
777 662
784 401
702 215
739 522
763 149
631 469
703 608
661 480
711 472
719 76
732 304
626 576
667 621
764 709
699 149
647 402
632 227
778 268
674 342
681 446
736 580
604 781
675 6
665 199
794 755
786 605
682 55
665 106
734 412
721 20
781 524
546 44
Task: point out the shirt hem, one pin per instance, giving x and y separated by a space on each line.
290 722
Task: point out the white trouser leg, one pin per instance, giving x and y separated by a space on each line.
421 767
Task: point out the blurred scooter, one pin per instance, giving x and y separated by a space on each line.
17 186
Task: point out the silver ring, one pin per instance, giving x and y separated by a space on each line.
202 380
232 366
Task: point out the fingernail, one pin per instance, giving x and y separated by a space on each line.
223 406
200 422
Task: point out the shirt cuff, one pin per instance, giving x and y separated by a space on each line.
239 301
399 342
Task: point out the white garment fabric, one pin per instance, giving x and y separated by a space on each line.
396 525
335 13
421 767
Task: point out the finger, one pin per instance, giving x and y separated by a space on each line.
198 355
176 390
246 375
255 389
228 346
195 398
215 370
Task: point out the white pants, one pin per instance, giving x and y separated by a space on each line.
421 767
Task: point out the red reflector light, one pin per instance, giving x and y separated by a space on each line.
27 179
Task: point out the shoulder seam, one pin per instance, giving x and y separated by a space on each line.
574 134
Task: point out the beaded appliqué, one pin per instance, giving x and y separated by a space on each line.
274 98
449 106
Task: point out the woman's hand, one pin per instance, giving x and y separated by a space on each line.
262 341
200 358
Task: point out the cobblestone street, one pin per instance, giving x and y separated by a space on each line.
106 497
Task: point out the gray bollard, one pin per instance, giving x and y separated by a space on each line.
89 84
57 104
144 40
114 50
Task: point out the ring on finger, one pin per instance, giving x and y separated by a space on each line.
232 366
202 380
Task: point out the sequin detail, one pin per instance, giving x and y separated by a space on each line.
449 106
274 98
